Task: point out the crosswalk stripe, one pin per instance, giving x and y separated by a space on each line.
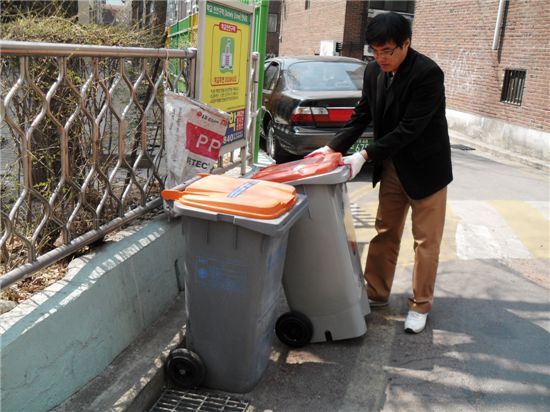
498 229
448 244
363 221
482 233
529 224
364 217
362 190
542 207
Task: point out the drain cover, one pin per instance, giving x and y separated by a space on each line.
461 147
173 400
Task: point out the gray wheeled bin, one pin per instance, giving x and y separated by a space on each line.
323 279
234 243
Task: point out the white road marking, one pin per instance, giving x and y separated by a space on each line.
483 234
542 207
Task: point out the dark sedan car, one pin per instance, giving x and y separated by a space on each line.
306 100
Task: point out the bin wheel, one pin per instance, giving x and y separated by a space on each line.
185 368
294 329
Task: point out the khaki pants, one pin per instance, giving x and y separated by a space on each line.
428 219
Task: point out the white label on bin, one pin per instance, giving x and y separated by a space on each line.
242 188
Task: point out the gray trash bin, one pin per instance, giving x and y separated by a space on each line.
233 271
323 280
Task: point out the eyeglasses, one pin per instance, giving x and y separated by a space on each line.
383 53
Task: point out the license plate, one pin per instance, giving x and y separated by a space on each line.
360 144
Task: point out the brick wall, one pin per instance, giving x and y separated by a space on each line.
302 30
458 35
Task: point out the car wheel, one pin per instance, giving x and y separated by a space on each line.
273 147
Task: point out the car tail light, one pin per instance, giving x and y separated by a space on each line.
339 114
302 115
310 115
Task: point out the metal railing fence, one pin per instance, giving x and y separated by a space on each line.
81 145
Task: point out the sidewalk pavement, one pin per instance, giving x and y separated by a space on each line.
469 358
453 366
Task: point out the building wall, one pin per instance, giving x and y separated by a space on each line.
302 30
458 35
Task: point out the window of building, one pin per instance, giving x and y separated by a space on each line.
405 6
308 4
512 87
272 23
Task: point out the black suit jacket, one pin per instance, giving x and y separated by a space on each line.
409 125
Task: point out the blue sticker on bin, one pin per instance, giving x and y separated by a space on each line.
242 188
227 275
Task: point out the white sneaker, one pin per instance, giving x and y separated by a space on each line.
415 322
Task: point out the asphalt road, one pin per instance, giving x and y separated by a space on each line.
487 342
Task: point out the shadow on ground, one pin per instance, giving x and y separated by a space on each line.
484 352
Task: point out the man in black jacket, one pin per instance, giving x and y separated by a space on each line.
404 96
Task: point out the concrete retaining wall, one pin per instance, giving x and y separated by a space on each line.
510 138
54 343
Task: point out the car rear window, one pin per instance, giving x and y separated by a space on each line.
320 76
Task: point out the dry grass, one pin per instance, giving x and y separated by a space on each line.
26 288
55 29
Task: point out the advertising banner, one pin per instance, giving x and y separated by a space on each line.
193 135
225 47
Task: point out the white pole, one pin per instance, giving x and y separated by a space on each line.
498 25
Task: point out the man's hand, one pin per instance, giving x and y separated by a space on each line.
321 151
355 162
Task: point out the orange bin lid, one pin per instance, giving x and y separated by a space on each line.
300 169
242 197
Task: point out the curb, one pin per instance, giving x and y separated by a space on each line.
457 137
134 380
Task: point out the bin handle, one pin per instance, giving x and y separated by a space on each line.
171 194
177 192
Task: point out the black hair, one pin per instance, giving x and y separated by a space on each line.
387 27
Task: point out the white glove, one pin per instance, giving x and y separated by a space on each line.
355 162
321 151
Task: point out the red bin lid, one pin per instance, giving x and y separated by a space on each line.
300 169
